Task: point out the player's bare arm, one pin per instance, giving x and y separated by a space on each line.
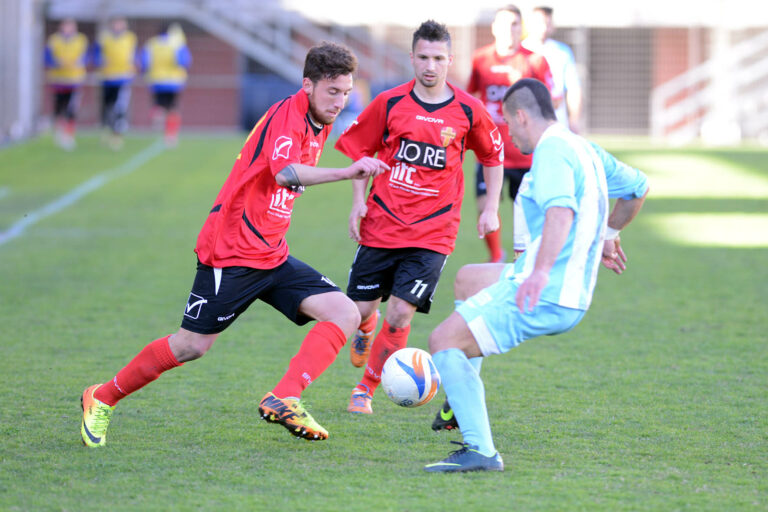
557 225
359 208
622 214
488 221
306 175
366 167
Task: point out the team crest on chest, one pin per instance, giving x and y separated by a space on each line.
447 135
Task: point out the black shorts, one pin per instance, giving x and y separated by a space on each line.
513 176
114 106
410 274
166 99
212 307
66 103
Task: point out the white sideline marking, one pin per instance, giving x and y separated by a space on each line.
80 191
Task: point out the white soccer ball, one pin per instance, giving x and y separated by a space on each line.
409 377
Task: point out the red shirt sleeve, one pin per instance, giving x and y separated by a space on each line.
283 141
485 139
364 137
474 79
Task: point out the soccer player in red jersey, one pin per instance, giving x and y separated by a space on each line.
243 255
494 68
407 227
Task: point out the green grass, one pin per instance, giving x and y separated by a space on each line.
656 401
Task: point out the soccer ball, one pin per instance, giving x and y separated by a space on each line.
409 377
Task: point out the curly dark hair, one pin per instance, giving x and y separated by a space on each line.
329 60
431 30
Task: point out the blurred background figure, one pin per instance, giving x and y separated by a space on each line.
65 55
114 56
494 68
165 60
541 27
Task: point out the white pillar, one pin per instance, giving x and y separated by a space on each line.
720 126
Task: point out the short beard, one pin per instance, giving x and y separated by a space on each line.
317 117
427 84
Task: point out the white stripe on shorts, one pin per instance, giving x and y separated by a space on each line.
483 336
217 278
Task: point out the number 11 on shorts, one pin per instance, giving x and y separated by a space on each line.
418 288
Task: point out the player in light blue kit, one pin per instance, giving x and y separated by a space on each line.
565 75
565 201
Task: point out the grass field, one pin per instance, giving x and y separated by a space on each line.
658 400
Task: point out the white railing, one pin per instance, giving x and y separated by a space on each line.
681 107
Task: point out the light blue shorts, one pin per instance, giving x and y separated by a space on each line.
498 326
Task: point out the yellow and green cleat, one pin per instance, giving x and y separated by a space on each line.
290 413
96 416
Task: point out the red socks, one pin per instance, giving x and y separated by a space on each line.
172 124
493 241
318 350
370 324
147 366
389 340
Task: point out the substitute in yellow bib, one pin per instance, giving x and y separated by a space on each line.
65 55
114 56
165 60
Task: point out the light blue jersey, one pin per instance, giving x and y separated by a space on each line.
565 76
568 171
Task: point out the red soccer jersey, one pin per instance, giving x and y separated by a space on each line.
251 214
491 77
418 202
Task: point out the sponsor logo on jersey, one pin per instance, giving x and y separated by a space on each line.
401 177
498 143
194 305
367 286
421 154
430 119
495 92
447 135
512 73
281 203
282 147
314 144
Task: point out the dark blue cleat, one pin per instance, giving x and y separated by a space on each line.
444 419
466 458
